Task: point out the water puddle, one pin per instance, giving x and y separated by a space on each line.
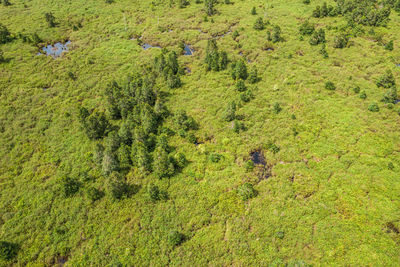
147 46
55 50
188 51
257 157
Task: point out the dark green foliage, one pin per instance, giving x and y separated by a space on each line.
210 7
156 194
396 6
246 191
240 86
324 11
70 186
318 37
112 141
180 160
238 125
280 234
8 250
259 24
124 156
239 70
119 189
373 107
356 89
162 164
215 157
235 35
253 11
230 112
386 80
183 121
389 45
273 147
390 166
96 125
141 157
6 3
363 95
276 34
306 28
341 41
246 96
2 59
4 34
50 19
94 194
277 108
368 13
306 2
390 96
109 1
330 86
176 238
323 51
253 75
215 60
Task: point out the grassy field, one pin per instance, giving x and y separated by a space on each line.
332 197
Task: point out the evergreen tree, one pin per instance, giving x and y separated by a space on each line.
142 157
253 11
318 37
253 76
240 86
50 19
110 162
4 34
390 96
239 70
210 7
341 41
306 28
259 24
149 119
124 156
230 112
386 80
96 125
389 45
276 34
162 165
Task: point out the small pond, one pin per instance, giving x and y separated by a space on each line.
147 46
55 50
187 51
257 157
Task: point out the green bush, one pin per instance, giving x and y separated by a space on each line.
356 89
230 112
253 11
246 191
330 86
389 46
259 24
4 34
50 19
253 75
306 28
249 165
363 95
70 186
176 238
373 107
8 250
239 70
386 80
277 108
341 41
318 37
240 86
94 194
156 194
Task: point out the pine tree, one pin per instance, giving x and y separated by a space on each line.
50 19
210 7
239 70
259 24
230 112
162 165
4 34
253 76
253 11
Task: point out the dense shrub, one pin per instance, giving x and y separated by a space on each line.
330 86
4 34
253 75
239 70
277 108
8 250
215 60
176 238
230 112
162 164
156 194
96 125
94 194
389 45
253 11
390 96
50 19
373 107
386 80
70 186
306 28
276 34
318 37
183 121
341 41
210 7
240 86
259 24
246 191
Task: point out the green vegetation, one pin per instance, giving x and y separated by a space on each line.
275 143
